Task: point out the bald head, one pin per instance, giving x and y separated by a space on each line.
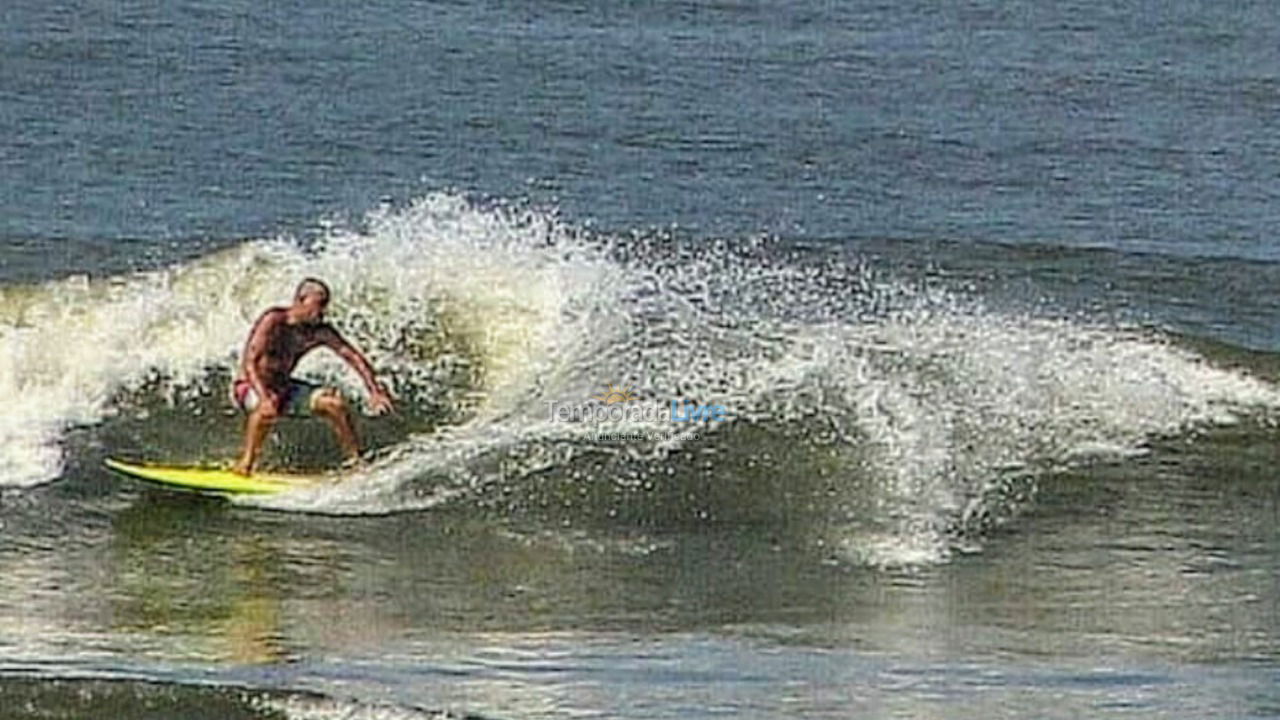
311 286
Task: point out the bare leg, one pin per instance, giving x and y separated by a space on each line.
329 405
260 422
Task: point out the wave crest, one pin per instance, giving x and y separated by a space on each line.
884 418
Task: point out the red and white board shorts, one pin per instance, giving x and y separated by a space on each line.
296 401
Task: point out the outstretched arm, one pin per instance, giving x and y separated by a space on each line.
379 398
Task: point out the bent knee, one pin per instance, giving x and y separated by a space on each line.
328 401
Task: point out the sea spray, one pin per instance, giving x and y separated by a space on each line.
870 417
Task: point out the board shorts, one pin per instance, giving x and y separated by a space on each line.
295 403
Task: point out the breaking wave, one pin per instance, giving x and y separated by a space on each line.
886 419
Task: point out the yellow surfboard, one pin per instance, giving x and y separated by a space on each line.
213 480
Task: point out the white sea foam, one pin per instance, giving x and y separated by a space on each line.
925 400
439 283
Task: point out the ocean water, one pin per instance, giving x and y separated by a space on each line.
984 292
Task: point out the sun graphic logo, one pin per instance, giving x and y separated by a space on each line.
615 395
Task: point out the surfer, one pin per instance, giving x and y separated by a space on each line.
265 389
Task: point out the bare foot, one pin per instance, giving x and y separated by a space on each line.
241 469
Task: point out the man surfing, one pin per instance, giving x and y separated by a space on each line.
266 391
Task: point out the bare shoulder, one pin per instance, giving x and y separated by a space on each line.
272 316
327 334
268 321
